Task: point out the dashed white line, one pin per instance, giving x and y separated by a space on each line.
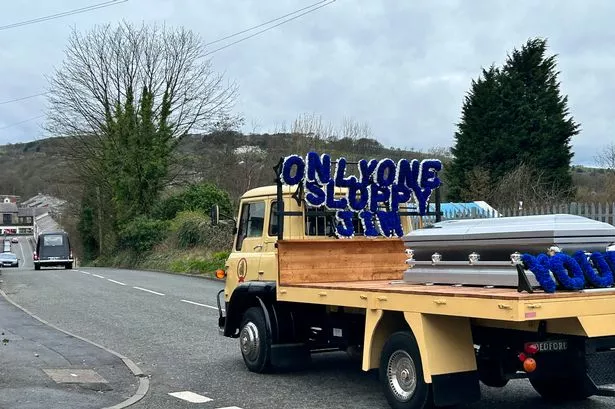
149 291
84 272
230 407
96 275
202 305
116 282
191 397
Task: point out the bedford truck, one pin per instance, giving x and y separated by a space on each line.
325 261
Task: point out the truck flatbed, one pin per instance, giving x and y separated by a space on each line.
372 278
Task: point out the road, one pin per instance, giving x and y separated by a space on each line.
167 324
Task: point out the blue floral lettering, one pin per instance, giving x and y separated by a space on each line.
385 172
318 168
366 168
344 227
357 197
340 178
315 195
562 266
377 194
367 221
427 174
291 161
332 202
389 224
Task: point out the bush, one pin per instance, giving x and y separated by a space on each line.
142 233
198 197
194 229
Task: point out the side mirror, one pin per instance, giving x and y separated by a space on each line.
214 215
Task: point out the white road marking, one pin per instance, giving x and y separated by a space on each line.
191 397
202 305
23 255
230 407
96 275
84 272
116 282
149 291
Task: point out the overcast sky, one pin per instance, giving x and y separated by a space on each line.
402 66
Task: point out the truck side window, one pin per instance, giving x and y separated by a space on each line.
273 220
251 222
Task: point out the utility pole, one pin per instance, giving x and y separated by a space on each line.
100 235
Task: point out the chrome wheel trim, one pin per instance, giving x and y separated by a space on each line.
401 375
249 341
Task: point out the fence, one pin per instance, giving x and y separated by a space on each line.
604 212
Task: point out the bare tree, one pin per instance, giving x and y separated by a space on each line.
123 98
107 66
606 158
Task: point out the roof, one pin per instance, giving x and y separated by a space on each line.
8 208
479 207
272 190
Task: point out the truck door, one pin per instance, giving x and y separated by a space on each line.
245 259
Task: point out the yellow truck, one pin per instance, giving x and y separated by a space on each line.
323 260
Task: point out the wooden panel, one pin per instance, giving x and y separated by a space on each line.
322 261
451 291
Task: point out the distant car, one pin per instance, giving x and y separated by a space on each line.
14 240
8 259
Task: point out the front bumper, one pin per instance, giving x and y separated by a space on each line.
221 313
53 262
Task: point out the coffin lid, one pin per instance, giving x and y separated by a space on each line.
553 225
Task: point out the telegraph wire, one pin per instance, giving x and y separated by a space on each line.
23 98
21 122
308 9
269 28
265 23
63 14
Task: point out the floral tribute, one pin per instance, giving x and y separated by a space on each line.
378 182
572 272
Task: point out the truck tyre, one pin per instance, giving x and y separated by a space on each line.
37 267
401 373
560 390
255 341
68 266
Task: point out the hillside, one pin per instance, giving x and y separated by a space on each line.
232 160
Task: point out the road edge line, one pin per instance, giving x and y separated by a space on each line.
143 387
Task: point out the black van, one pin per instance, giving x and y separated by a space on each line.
53 249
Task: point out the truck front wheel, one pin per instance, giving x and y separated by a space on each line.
255 341
401 373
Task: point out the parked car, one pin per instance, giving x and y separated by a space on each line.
53 249
8 259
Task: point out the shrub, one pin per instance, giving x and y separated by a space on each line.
194 229
197 197
142 233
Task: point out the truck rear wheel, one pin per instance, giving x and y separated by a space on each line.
401 373
559 390
255 341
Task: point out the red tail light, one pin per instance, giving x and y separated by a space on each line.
34 256
531 348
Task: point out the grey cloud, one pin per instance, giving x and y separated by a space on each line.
403 67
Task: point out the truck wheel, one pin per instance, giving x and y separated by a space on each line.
401 373
68 266
255 341
37 267
558 390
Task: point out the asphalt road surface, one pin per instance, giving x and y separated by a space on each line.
167 324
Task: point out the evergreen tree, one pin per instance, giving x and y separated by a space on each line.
514 116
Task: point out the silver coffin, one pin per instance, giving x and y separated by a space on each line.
494 240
